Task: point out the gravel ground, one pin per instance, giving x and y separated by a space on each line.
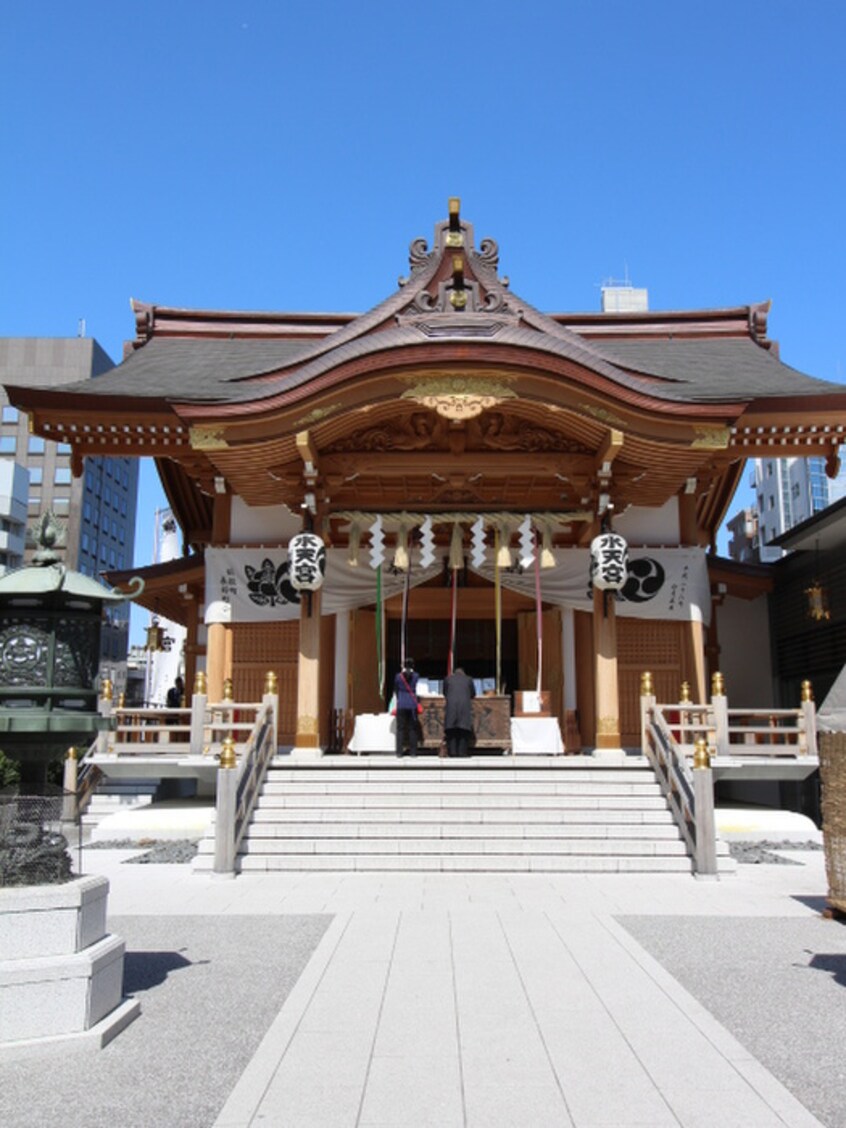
158 850
209 989
776 984
757 853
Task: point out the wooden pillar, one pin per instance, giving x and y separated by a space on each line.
308 675
697 653
713 650
192 606
341 677
605 659
688 527
218 648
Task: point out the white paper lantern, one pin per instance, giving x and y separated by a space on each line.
307 561
609 561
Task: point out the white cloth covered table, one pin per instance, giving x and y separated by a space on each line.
536 736
373 732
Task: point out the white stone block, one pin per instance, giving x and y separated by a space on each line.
51 995
52 920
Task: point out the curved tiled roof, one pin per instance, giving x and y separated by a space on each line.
209 371
214 359
720 370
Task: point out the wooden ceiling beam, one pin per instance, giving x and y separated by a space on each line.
307 452
496 463
611 446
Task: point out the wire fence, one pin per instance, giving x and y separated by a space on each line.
36 840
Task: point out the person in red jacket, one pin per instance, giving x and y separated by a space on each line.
407 724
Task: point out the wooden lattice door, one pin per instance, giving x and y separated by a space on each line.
258 648
656 646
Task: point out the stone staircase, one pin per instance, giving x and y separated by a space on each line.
493 814
113 795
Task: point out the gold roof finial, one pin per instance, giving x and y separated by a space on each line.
458 295
454 235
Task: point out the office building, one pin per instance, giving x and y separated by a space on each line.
97 506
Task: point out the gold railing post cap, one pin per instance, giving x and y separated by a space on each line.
228 759
807 690
701 755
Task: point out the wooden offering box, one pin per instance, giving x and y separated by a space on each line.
519 704
491 722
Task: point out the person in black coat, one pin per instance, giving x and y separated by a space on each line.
176 693
459 692
407 725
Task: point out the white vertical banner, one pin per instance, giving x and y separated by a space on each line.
164 665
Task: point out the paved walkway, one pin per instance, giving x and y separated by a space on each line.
489 1000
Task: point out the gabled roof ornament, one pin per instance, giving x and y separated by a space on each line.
455 278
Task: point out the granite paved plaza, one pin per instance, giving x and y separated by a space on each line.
298 1000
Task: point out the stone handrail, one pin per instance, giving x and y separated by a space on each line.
735 732
239 781
688 788
198 729
682 739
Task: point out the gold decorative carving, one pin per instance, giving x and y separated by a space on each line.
711 438
608 726
206 437
459 397
317 414
603 414
306 726
420 431
499 432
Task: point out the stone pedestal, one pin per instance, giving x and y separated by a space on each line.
61 973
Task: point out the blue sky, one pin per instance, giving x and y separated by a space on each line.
276 155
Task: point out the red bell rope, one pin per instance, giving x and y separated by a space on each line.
538 613
404 625
453 613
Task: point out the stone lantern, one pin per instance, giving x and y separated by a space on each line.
50 622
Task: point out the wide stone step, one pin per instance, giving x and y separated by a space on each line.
458 785
467 863
455 845
447 799
453 770
265 832
652 818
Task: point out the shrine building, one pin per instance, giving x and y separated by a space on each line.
457 453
